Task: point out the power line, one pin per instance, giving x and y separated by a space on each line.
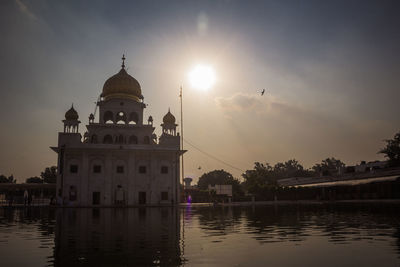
211 156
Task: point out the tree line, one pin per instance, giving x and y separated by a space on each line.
264 177
48 176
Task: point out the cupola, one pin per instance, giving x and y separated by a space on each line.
122 85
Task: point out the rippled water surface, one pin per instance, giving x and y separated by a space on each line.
281 235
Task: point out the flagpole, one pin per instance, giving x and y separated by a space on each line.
181 97
183 184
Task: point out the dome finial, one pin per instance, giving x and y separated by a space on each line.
71 114
122 85
169 118
123 61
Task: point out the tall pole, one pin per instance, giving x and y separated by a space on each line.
181 97
183 184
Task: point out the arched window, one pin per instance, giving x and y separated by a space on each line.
94 139
108 117
133 118
133 139
121 118
108 139
146 140
120 139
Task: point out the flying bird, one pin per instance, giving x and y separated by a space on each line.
199 168
262 92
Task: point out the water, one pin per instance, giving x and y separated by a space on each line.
282 235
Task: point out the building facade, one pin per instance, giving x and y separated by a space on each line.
370 166
119 160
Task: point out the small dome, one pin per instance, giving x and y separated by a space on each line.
122 85
169 118
71 114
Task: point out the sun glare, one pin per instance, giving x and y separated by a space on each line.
202 77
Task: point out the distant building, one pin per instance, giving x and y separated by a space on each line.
119 161
42 194
187 182
221 189
370 166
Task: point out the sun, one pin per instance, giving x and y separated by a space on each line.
202 77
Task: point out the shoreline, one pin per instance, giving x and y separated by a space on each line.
231 204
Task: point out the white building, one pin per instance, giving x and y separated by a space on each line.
119 160
370 166
187 182
221 189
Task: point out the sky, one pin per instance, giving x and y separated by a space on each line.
330 69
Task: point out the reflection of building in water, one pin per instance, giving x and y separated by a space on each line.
119 161
118 237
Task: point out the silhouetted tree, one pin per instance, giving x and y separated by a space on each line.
220 177
3 179
49 175
329 166
259 179
9 179
392 151
34 180
12 179
291 168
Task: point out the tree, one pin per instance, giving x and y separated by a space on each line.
329 166
34 180
259 179
291 168
392 151
10 179
49 175
220 177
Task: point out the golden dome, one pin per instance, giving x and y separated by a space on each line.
169 118
122 85
71 114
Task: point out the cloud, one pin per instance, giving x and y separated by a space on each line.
240 102
24 9
260 105
283 116
202 24
287 129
